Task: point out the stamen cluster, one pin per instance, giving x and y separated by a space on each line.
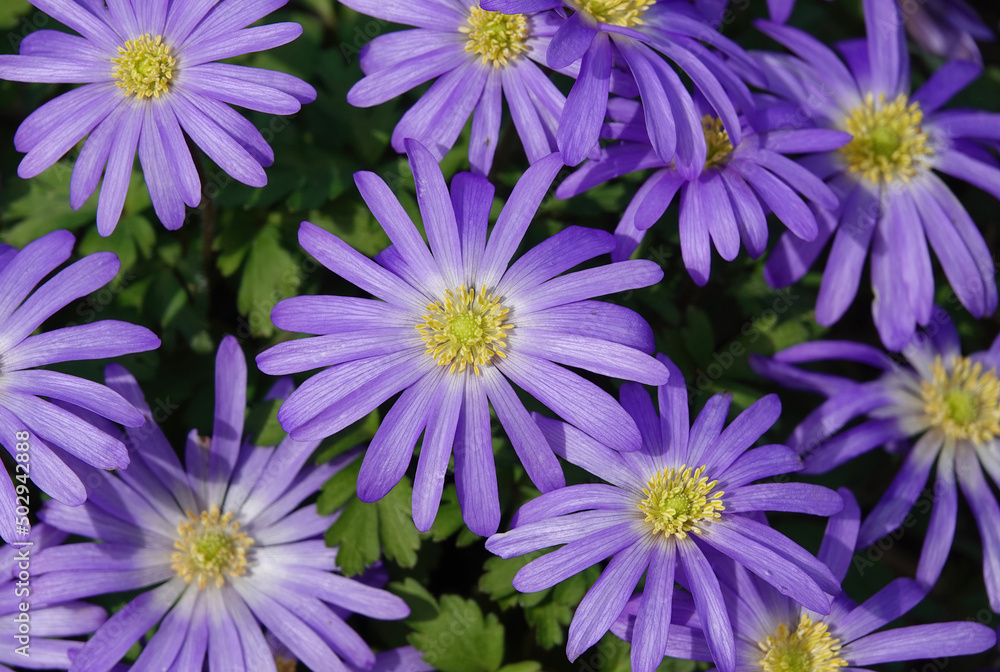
465 329
677 500
717 139
889 141
210 547
616 12
495 36
145 67
810 648
963 402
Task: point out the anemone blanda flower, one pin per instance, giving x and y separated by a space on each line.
35 425
451 328
943 408
479 58
33 639
725 203
401 659
217 549
602 32
148 71
947 28
774 634
893 202
688 490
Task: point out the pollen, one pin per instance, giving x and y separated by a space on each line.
963 400
626 13
465 329
677 500
209 548
810 648
144 67
717 139
495 36
889 141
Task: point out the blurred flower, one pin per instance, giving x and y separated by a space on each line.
775 634
726 201
942 408
946 28
600 33
33 638
449 327
37 426
479 57
893 202
216 549
687 492
148 72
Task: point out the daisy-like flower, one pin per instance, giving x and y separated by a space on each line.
946 28
943 408
893 202
726 202
688 491
35 426
638 34
451 327
150 78
774 634
33 637
217 549
479 57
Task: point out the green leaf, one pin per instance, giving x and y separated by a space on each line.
457 638
270 274
365 530
547 611
262 423
525 666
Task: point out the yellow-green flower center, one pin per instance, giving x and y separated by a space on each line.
677 500
963 402
285 664
810 648
465 329
210 547
719 145
616 12
889 141
144 67
495 36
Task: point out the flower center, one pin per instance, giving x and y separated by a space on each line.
616 12
811 648
677 500
465 329
719 146
209 547
965 403
145 67
286 664
495 36
889 142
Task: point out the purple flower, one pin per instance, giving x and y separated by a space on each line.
451 328
479 57
687 492
33 639
601 33
726 202
217 549
942 408
36 426
774 633
946 28
148 72
893 202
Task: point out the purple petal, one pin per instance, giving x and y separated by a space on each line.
475 471
580 125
